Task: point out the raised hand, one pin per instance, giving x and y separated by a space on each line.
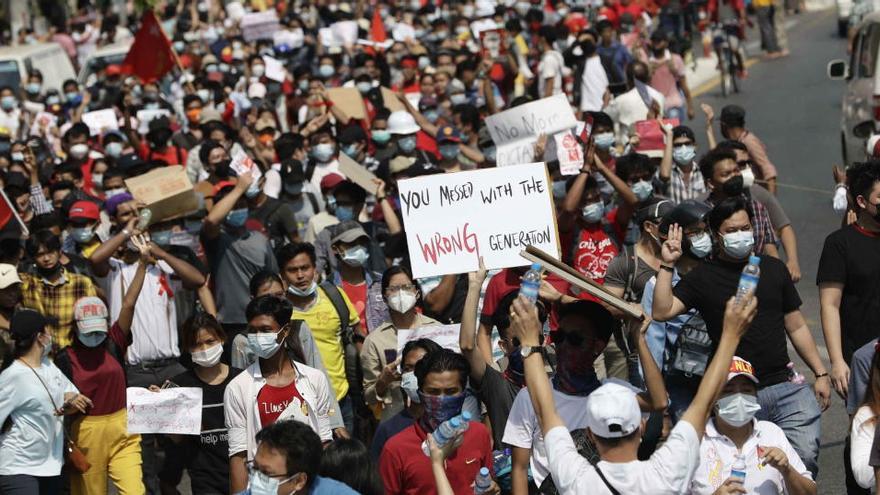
671 251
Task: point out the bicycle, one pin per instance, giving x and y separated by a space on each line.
728 48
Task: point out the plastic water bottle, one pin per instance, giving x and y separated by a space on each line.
448 430
144 217
738 470
748 281
502 465
531 283
483 481
793 375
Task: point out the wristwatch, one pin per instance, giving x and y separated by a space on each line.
527 350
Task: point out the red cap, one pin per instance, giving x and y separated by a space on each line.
330 181
223 184
409 63
113 70
84 209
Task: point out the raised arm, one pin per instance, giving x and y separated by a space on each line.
666 162
192 278
388 212
100 259
211 224
666 305
710 117
126 312
467 336
655 397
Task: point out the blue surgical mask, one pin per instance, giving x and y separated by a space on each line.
449 151
684 155
179 46
432 116
114 149
253 190
326 71
410 386
72 97
344 213
265 344
364 87
701 244
33 88
161 237
350 150
439 408
737 409
356 256
8 102
643 190
303 292
82 235
330 201
18 156
604 140
738 245
458 98
323 152
593 212
263 484
303 85
407 144
91 339
237 218
381 136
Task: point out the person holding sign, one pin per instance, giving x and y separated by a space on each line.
379 360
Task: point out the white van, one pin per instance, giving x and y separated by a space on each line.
860 107
17 62
106 55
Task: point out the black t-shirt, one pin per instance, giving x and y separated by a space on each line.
851 256
708 287
206 457
498 395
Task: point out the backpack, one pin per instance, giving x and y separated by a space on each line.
690 352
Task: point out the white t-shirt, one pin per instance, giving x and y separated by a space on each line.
551 65
33 445
11 120
594 82
524 431
669 470
717 453
154 328
324 169
862 435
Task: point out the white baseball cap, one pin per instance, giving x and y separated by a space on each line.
8 275
90 314
613 410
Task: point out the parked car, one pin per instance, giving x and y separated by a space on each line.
860 106
100 58
16 62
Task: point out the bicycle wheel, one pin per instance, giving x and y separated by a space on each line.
724 67
734 72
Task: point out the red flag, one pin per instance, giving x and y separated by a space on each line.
150 56
377 30
7 213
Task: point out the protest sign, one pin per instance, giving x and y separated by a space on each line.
651 136
345 32
569 152
166 191
259 25
453 219
515 131
392 103
356 173
170 410
145 116
242 164
493 43
446 336
274 68
100 121
349 101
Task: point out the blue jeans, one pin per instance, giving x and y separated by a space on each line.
346 408
793 408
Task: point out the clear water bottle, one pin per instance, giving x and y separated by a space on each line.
531 283
144 217
502 465
738 470
448 430
748 281
483 481
793 375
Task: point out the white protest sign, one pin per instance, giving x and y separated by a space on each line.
170 410
569 152
259 25
346 32
242 164
446 336
100 121
453 219
516 130
145 116
274 68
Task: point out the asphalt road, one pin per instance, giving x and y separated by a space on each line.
795 109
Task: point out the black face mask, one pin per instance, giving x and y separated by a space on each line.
733 186
49 273
588 47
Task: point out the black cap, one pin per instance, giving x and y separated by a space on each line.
352 134
293 176
733 115
129 161
655 208
28 322
685 214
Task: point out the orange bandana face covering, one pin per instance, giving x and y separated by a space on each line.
193 114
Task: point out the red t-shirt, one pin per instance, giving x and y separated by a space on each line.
357 294
405 469
593 253
98 375
272 401
507 281
172 154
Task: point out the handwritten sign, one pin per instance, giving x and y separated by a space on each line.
100 121
171 410
242 164
569 152
453 219
446 336
515 131
259 25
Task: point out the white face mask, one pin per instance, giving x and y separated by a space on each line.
259 70
402 301
748 176
701 244
265 345
410 385
79 151
262 484
46 350
303 292
209 357
739 244
91 339
737 409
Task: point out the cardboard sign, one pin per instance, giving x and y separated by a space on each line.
145 116
392 103
242 164
166 191
453 219
356 173
101 121
515 131
569 152
446 336
259 25
493 43
170 410
349 101
274 69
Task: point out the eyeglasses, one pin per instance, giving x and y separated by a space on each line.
252 469
395 288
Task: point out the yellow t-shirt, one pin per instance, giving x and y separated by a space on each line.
324 323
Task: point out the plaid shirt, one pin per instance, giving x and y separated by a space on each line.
761 226
56 301
677 190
